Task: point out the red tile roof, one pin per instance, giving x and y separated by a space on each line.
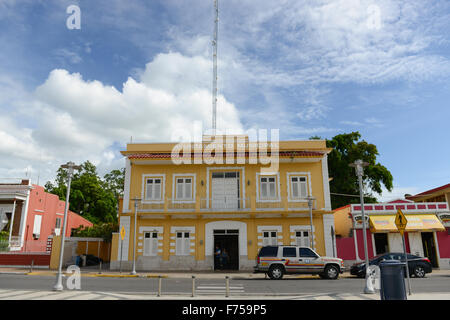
430 191
281 154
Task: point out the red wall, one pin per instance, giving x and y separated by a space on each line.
24 259
345 248
49 207
444 243
359 236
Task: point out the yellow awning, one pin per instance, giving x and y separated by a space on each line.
416 222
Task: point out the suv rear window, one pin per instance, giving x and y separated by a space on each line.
268 252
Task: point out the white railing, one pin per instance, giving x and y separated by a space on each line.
225 203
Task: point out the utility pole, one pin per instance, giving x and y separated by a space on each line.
70 166
136 200
359 164
310 206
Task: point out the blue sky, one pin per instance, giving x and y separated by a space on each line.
143 68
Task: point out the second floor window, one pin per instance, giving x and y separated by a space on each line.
183 189
299 187
153 191
268 188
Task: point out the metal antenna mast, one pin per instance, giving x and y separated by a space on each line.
214 88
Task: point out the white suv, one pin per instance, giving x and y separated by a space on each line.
275 261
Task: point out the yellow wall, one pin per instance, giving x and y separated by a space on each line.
342 222
248 182
200 171
199 225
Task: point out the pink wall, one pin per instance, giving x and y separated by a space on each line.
444 243
359 236
345 248
49 207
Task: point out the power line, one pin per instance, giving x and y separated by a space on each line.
348 195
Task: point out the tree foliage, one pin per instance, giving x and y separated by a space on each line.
103 230
95 199
347 148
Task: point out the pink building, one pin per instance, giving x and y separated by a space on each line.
426 234
30 216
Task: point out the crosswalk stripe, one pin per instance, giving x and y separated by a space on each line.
89 296
30 295
58 295
108 298
13 293
324 298
231 288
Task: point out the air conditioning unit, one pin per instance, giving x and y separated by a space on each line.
36 236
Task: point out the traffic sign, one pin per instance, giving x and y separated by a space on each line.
400 221
122 233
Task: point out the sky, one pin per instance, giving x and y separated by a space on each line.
141 70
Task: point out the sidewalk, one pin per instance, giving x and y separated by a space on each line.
233 275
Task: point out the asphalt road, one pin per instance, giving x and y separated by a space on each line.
239 285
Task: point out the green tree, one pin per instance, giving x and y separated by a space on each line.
102 230
91 197
347 148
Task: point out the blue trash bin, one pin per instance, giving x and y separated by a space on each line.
392 280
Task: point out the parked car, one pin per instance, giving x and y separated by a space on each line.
276 261
418 266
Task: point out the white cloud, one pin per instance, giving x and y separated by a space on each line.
74 119
397 192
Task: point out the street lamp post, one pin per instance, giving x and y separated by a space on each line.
70 166
133 272
310 206
359 164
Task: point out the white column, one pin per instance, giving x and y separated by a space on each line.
328 222
24 216
12 221
126 190
326 183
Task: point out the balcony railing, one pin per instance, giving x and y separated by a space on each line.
223 204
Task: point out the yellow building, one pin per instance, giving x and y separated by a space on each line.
225 193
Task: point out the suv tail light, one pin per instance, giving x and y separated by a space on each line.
427 260
257 260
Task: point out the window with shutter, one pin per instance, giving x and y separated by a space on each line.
299 188
302 238
182 244
183 189
270 238
268 187
153 189
151 243
37 226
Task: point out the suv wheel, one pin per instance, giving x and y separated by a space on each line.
419 272
331 272
276 272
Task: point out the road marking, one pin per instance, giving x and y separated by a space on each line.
88 296
30 295
324 298
13 293
59 295
219 289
